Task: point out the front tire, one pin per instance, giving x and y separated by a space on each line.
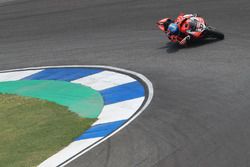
213 33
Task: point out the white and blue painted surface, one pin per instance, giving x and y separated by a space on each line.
125 93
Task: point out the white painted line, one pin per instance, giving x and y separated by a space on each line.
17 75
104 80
119 111
69 151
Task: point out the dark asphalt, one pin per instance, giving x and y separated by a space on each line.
200 114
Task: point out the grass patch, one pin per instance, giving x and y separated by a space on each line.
31 130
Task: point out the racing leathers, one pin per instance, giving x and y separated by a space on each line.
187 29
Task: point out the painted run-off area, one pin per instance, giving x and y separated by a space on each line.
80 99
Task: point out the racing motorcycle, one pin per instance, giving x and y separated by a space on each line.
200 25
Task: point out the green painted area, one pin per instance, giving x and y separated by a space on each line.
32 130
83 100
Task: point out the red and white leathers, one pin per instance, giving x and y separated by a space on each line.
186 29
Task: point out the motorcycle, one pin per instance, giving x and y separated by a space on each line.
197 24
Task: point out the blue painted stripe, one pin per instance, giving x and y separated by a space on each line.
123 92
63 74
101 130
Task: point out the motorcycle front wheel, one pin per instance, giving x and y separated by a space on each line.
213 33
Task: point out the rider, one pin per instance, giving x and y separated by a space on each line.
182 29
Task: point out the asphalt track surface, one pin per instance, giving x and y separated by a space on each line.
200 114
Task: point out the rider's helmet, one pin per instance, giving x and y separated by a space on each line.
167 23
173 29
164 23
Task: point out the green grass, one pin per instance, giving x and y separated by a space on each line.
31 130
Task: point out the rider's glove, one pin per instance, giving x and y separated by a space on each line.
195 15
184 40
